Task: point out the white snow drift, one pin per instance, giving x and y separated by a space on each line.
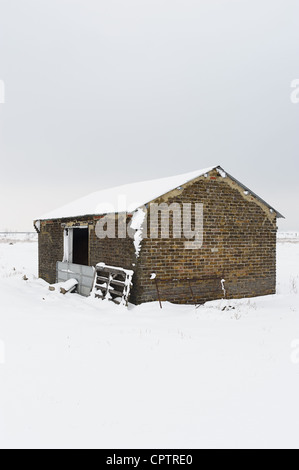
82 373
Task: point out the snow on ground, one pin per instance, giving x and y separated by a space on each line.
83 373
9 237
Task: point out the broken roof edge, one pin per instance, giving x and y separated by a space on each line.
278 214
224 173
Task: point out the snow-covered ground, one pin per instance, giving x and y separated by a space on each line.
82 373
9 237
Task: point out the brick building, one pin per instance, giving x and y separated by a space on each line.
236 258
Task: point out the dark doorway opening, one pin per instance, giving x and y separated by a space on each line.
80 246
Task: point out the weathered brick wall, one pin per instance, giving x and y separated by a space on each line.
114 252
50 249
239 246
119 252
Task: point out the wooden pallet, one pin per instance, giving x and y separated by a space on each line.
113 284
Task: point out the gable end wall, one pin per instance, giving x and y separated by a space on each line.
239 246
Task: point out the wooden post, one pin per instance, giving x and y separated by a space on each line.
192 293
159 297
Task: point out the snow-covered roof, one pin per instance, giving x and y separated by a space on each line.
128 198
125 198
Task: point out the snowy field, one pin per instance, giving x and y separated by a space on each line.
9 237
80 373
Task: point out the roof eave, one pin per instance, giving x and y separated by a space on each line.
278 214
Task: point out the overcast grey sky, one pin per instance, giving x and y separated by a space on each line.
105 92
